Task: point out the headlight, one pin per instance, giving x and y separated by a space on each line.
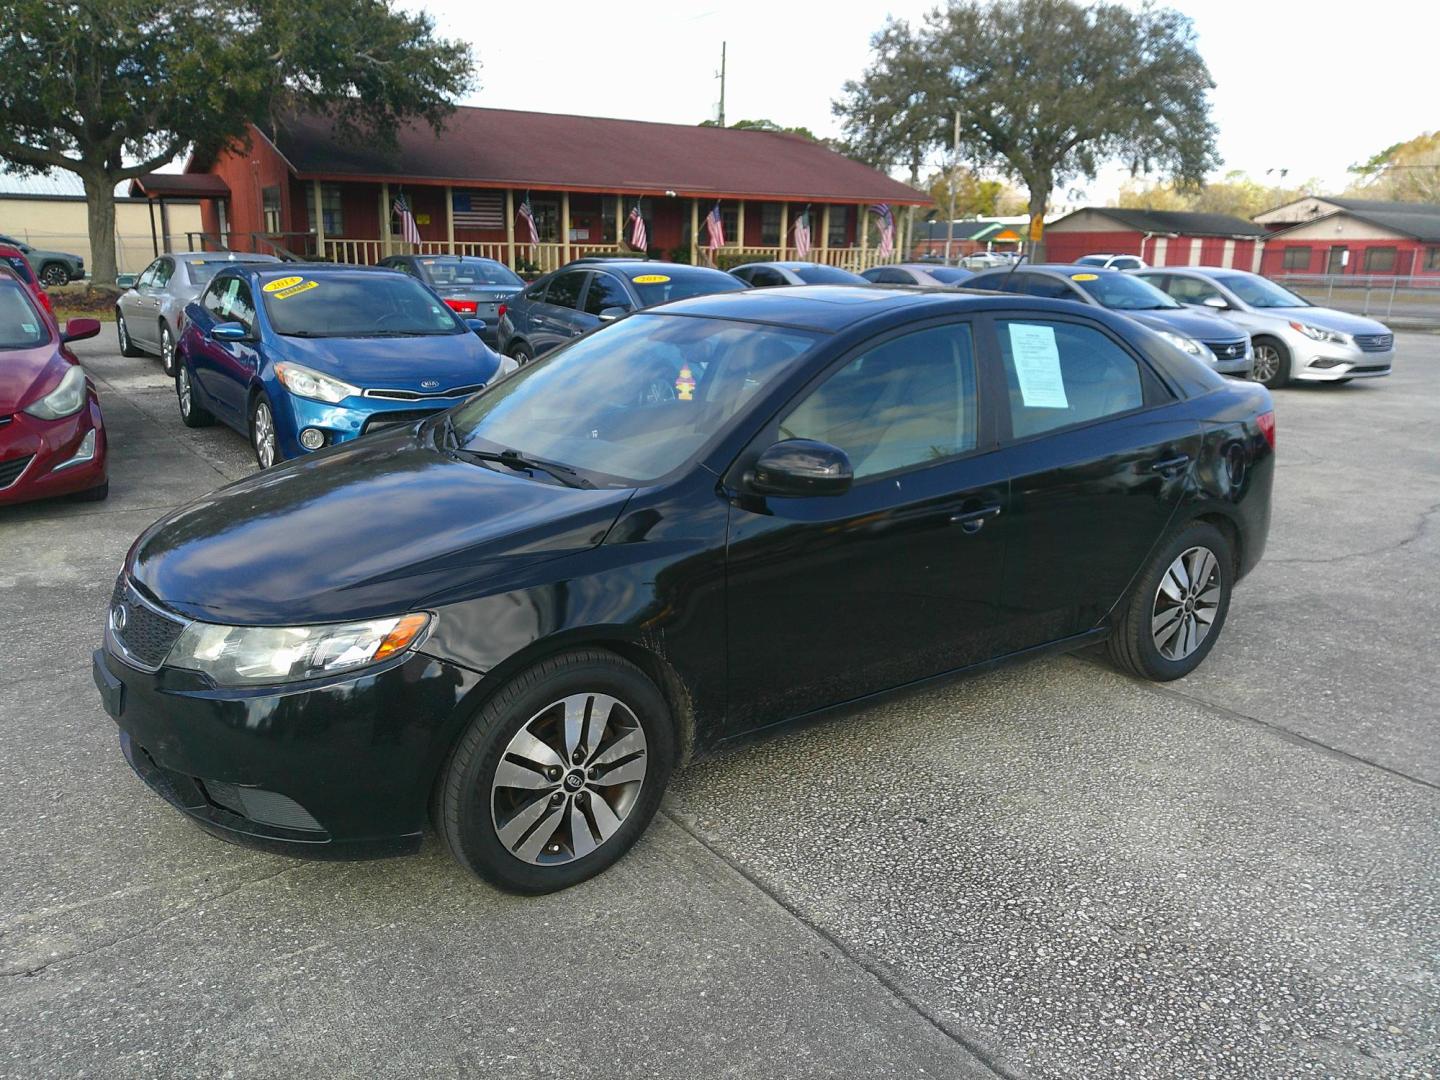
252 655
311 384
1185 344
65 400
1316 333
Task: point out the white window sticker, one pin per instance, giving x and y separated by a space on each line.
29 327
1037 366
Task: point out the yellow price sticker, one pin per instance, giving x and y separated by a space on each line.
304 286
651 279
1084 277
280 284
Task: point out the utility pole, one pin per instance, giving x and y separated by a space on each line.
722 84
954 166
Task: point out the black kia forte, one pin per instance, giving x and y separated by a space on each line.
515 618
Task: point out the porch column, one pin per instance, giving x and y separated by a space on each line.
619 222
825 233
864 235
565 224
740 224
384 218
784 227
510 226
450 217
909 233
319 223
694 230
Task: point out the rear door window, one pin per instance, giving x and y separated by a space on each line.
1063 373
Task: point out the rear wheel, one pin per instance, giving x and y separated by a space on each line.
521 353
1174 615
558 775
127 346
192 413
1272 362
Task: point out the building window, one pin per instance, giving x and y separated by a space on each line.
330 209
770 225
270 204
1296 258
547 222
839 226
730 220
1380 260
1432 258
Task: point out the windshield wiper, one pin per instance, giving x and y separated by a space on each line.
514 459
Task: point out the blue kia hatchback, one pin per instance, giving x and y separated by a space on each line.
303 357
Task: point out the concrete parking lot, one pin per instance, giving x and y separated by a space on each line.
1047 871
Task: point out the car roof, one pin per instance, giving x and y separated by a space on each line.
306 269
223 257
634 267
787 264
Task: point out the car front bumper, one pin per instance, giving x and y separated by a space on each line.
61 457
338 769
1324 361
349 419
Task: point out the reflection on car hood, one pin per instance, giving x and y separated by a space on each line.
376 527
1200 325
26 375
396 362
1330 319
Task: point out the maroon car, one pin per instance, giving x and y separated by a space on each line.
52 437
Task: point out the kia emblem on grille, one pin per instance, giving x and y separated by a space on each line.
119 616
429 384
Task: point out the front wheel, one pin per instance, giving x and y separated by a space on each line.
262 431
558 774
1174 615
1272 363
521 354
167 350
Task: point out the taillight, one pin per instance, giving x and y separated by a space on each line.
500 310
463 307
1266 420
46 302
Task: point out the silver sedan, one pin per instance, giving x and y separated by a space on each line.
1294 339
935 274
148 314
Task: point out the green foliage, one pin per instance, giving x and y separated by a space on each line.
764 125
1406 172
728 260
679 254
109 90
974 197
1046 91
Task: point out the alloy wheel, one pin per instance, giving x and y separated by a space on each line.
123 334
54 275
1267 363
263 425
1186 603
167 350
568 779
182 389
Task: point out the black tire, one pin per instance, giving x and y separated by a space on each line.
521 354
192 413
167 348
1281 356
1133 641
467 800
260 408
96 494
53 274
122 334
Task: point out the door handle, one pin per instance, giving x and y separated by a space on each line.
972 521
1170 466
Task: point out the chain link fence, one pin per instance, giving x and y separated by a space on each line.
1379 295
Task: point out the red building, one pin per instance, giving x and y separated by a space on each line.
1160 237
306 190
1325 234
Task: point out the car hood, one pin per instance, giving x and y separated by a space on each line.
449 360
1329 319
383 525
1200 325
29 374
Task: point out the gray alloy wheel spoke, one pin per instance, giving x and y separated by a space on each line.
1165 624
626 772
1186 604
621 748
542 834
582 839
524 823
513 775
530 748
606 820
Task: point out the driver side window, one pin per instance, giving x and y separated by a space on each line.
908 401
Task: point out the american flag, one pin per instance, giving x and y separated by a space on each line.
802 235
529 219
638 239
715 227
887 228
478 209
409 231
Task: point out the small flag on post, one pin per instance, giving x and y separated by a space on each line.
802 235
715 227
887 228
529 219
638 239
409 231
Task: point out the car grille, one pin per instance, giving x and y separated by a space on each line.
1375 342
395 418
10 470
420 395
147 636
1227 350
1365 369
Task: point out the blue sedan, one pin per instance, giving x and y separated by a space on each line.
303 357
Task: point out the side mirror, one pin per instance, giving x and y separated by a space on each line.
80 329
476 325
126 281
1216 302
801 467
610 314
229 331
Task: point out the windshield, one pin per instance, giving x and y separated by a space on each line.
468 271
948 275
1260 292
1123 292
20 324
678 282
1092 260
356 305
826 275
202 270
633 402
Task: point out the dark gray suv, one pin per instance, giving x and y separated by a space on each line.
51 267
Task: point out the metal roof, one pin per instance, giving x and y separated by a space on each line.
1176 222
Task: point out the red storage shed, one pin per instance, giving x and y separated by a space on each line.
1160 237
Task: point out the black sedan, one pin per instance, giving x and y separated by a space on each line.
473 288
518 616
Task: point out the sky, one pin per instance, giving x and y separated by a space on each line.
1307 88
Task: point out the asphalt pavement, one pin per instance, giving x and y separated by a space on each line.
1048 871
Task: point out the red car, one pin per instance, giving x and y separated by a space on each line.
52 437
13 257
